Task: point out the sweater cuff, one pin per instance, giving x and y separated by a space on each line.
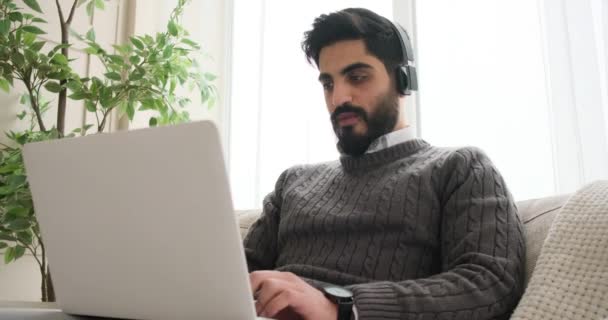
376 301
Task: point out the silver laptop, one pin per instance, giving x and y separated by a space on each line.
140 224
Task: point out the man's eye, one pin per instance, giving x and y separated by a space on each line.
357 77
327 85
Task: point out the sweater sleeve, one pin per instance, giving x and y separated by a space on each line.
261 240
482 252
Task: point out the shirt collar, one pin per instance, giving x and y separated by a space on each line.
390 139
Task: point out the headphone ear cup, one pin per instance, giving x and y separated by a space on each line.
402 81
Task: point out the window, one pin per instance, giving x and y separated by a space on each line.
523 80
482 83
278 115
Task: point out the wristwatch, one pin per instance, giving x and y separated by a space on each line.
343 298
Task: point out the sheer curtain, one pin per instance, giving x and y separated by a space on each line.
482 83
278 116
525 80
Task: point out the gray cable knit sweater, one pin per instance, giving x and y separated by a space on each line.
415 231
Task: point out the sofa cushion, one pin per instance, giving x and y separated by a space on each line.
246 218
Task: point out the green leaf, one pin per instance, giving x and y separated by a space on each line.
136 75
6 190
91 50
8 168
30 56
36 19
78 95
15 16
9 255
58 47
74 85
105 97
16 180
134 59
19 251
33 29
130 110
36 46
90 35
20 212
3 245
172 28
4 85
113 76
33 4
210 76
22 115
116 59
191 43
5 26
6 237
99 4
124 49
153 122
18 59
53 86
90 105
60 58
137 43
57 75
18 225
25 237
167 52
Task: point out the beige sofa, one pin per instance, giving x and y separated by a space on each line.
537 216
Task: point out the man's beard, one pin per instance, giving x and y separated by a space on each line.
381 122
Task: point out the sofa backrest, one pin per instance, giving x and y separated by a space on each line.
537 216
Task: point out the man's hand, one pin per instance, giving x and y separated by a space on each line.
283 295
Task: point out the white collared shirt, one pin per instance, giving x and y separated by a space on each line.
390 139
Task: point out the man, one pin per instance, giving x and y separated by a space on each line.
397 228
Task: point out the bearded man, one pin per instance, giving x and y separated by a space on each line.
396 228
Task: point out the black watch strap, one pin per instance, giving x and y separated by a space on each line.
343 298
345 311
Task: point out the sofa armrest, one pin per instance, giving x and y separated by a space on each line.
246 218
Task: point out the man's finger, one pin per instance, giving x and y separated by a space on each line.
277 304
256 277
269 288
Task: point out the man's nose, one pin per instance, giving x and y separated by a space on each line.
341 95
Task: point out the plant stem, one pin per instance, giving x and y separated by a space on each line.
34 103
62 101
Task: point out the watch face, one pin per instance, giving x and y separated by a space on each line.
339 292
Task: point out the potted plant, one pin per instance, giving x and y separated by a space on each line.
142 74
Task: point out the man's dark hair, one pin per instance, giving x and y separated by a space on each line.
352 24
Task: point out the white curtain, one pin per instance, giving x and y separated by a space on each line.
576 50
278 115
524 80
